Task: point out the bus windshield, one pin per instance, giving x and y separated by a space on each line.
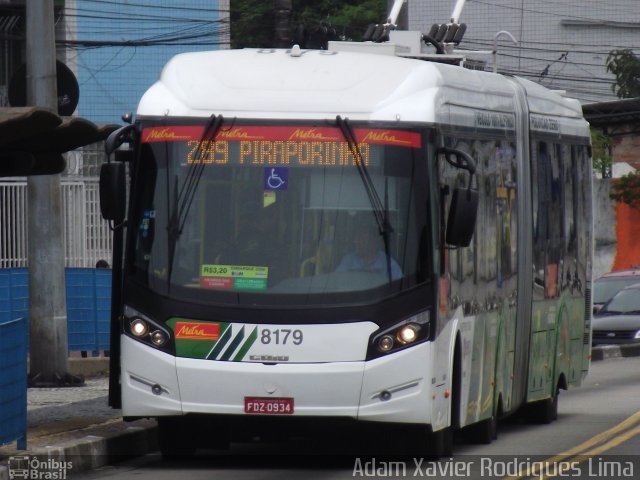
279 214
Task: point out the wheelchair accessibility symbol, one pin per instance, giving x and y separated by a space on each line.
276 178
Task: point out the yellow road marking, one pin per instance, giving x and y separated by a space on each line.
605 436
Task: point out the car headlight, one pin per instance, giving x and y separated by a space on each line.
142 328
637 336
406 333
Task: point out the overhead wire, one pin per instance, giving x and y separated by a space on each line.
152 25
581 69
161 25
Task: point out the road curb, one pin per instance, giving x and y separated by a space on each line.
95 451
111 445
604 352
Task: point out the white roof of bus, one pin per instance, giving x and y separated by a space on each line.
252 83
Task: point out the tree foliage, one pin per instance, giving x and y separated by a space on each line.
253 25
601 148
626 189
626 67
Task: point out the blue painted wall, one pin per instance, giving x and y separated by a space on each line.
113 78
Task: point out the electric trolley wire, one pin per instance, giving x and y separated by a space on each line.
564 15
163 25
155 25
157 7
539 60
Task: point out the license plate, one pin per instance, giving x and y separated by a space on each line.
268 405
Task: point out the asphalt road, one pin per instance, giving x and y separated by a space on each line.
597 435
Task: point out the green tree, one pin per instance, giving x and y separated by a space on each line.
626 189
626 67
252 24
349 19
252 21
601 149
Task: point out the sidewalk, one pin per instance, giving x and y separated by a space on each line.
74 429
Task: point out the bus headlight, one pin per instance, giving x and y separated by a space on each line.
410 331
159 338
138 327
145 330
385 343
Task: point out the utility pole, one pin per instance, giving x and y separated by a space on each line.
48 344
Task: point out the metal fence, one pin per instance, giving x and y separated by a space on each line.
86 234
88 298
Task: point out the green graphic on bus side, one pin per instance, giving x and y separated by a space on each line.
212 340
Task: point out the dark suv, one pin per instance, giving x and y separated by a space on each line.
611 283
618 321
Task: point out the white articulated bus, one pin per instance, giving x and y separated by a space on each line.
316 235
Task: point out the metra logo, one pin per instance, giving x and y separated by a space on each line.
236 133
311 134
165 133
197 331
385 137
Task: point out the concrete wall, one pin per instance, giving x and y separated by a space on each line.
604 227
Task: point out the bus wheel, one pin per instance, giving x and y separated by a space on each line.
442 442
421 442
544 411
483 432
174 438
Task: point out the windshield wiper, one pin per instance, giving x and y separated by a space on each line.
380 210
183 198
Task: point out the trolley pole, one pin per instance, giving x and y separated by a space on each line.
398 13
48 342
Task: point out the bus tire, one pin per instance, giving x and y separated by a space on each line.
484 432
544 411
174 439
442 442
422 442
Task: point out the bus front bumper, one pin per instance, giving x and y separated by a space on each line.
394 388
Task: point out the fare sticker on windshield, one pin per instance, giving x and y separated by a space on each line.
238 277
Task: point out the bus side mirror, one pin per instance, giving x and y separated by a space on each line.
117 138
463 212
113 199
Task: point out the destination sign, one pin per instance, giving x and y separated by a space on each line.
276 145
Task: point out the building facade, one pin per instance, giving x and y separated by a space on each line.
116 49
561 45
